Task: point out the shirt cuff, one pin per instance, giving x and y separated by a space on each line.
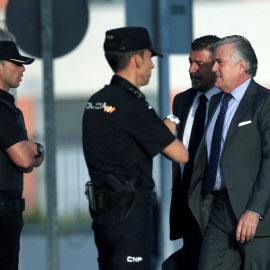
256 214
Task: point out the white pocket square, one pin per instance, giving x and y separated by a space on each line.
244 123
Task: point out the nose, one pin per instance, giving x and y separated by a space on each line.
152 65
193 68
215 67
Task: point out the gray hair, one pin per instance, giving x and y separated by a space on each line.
242 51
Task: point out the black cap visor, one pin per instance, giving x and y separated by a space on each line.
9 52
22 60
155 52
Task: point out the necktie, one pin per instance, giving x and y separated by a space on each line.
215 145
195 138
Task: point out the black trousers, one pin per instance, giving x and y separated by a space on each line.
124 245
221 251
11 225
188 256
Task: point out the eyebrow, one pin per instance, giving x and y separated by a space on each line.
197 61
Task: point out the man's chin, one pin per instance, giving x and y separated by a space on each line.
196 86
217 85
200 88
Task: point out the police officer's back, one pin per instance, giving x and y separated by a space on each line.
121 135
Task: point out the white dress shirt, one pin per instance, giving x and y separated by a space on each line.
191 115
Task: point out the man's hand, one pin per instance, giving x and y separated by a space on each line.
33 146
247 226
171 126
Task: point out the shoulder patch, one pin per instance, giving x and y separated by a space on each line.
100 106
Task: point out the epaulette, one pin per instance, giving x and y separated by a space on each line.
136 92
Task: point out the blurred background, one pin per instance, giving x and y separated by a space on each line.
77 75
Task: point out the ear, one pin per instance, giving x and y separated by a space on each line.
242 66
138 60
1 68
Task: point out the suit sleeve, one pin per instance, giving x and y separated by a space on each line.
175 105
260 197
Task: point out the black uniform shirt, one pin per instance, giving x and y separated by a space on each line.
11 133
122 133
10 130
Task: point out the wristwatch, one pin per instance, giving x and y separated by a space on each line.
173 119
40 150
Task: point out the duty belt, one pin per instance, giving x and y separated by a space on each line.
121 200
103 200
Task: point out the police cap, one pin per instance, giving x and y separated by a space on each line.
9 52
128 39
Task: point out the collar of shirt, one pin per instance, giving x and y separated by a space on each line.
7 96
239 91
211 92
208 94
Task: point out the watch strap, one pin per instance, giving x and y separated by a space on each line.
173 119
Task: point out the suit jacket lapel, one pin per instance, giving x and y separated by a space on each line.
213 105
183 112
241 110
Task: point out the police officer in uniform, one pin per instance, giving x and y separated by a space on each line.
121 135
18 155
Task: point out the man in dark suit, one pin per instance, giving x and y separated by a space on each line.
230 189
186 106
